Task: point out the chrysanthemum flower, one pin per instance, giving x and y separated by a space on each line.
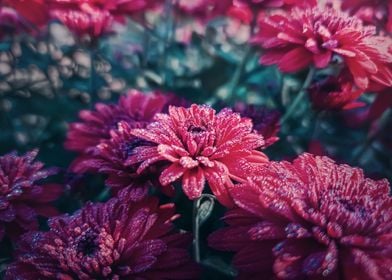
135 108
310 219
200 146
22 197
123 238
110 157
301 38
274 3
265 121
335 93
376 12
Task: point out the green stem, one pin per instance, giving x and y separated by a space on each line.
299 96
196 234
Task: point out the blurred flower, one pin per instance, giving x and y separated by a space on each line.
110 158
92 22
136 108
375 12
204 9
298 39
121 239
265 121
22 197
35 11
335 93
201 145
254 4
11 22
310 219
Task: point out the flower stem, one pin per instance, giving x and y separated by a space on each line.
196 236
299 96
200 214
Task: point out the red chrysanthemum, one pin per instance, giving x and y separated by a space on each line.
135 108
111 156
376 12
200 145
265 121
301 38
335 93
123 238
310 219
22 197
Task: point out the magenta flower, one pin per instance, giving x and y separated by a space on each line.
335 93
200 146
123 238
296 40
136 108
22 197
110 157
310 219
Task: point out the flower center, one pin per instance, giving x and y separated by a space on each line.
196 129
88 244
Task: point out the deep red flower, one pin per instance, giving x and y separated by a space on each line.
335 93
200 145
310 219
376 12
86 21
301 38
136 108
110 157
35 11
265 121
22 197
123 238
11 22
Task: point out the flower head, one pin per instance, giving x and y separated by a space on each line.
135 108
200 146
123 238
111 156
301 38
10 22
335 93
265 121
310 219
22 197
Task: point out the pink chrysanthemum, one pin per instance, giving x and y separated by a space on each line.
310 219
335 93
123 238
22 197
135 108
34 11
200 146
301 38
274 3
110 157
265 121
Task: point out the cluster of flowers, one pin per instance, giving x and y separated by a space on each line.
309 219
306 219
